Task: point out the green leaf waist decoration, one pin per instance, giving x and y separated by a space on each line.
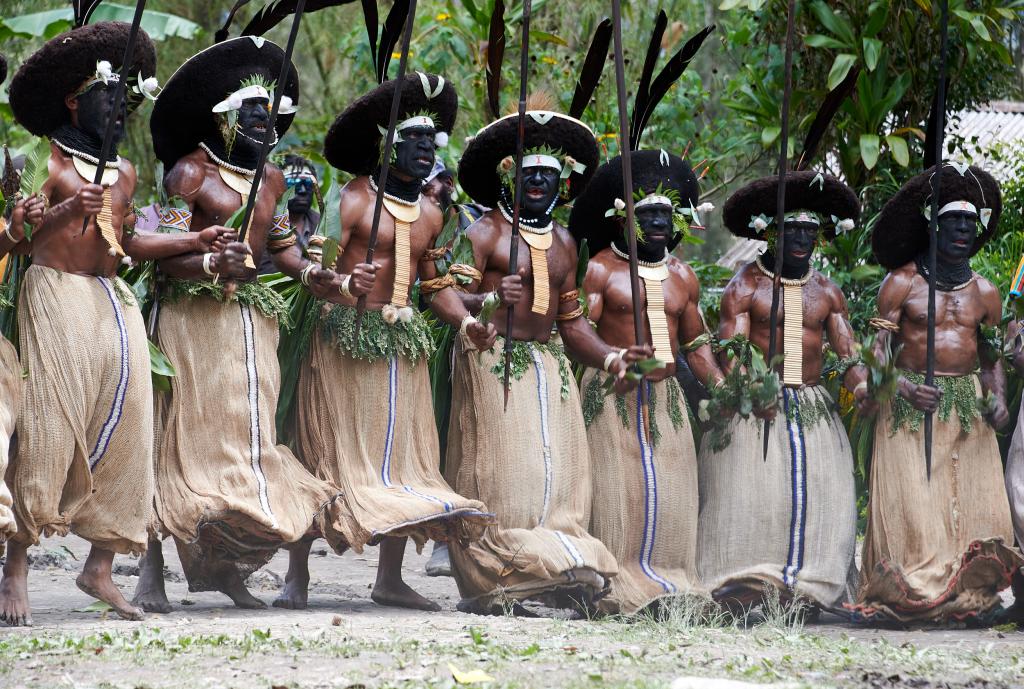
378 340
957 392
256 294
522 359
595 396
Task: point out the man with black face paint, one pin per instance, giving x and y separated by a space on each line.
230 496
300 178
755 532
645 471
939 548
84 459
530 463
365 416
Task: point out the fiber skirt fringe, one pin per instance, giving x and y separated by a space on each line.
936 550
367 426
787 522
225 488
645 498
10 399
85 431
532 467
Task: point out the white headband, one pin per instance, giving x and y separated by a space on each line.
964 206
652 200
802 216
418 121
541 160
235 100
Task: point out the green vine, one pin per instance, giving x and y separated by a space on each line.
377 339
957 391
521 359
256 294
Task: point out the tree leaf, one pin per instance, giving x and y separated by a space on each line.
817 40
470 677
769 135
979 28
869 147
98 606
842 65
872 51
547 37
876 20
898 148
838 26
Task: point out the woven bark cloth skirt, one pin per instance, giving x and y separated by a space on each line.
531 466
789 522
225 488
85 431
645 494
10 399
368 427
935 550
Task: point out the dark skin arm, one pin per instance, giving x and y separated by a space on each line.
702 360
737 302
842 338
992 375
28 211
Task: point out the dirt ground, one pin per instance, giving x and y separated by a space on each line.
346 641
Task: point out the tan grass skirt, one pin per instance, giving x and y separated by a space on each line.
225 488
84 459
936 550
532 468
645 497
10 399
789 522
368 427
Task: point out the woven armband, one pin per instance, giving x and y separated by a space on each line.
571 295
174 220
436 284
435 254
883 324
281 235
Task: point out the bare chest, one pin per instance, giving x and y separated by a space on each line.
814 304
559 259
618 296
958 308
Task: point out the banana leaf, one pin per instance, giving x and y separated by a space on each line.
160 369
35 172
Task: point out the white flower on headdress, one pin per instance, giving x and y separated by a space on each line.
759 224
845 225
620 204
148 87
441 139
705 207
384 133
104 71
390 314
287 107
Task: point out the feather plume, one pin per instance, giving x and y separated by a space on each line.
495 57
223 32
826 112
537 100
669 74
933 131
370 19
273 13
389 35
82 10
653 51
590 72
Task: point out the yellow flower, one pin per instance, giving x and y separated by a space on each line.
443 17
549 60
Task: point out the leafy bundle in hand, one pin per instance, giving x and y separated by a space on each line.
883 376
751 386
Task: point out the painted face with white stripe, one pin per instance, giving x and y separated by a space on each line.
958 230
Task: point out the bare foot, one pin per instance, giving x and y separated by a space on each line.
296 582
232 586
95 580
14 607
150 594
397 593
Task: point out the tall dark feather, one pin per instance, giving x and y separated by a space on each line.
223 32
273 13
653 51
370 18
83 10
932 131
663 82
389 36
590 72
826 112
495 57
